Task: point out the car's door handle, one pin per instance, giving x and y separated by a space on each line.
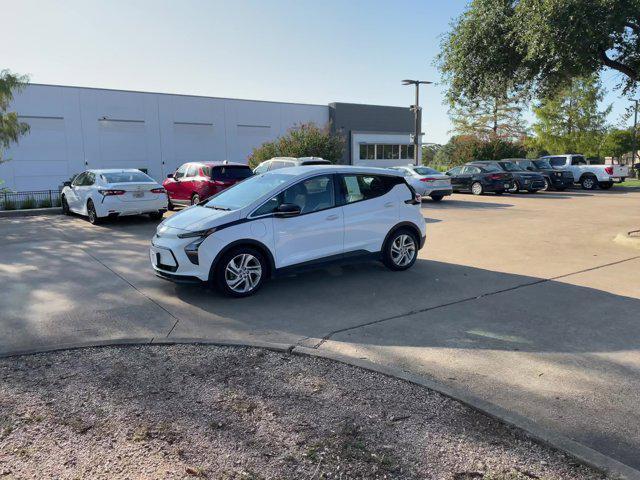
332 217
388 205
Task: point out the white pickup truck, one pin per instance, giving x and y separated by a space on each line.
587 175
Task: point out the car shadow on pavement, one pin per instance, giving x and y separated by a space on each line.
450 203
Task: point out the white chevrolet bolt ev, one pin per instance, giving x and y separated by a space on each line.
288 219
97 194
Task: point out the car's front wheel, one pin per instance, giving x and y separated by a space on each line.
515 188
401 250
240 272
195 199
92 214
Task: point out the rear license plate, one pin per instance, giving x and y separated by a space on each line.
615 179
138 194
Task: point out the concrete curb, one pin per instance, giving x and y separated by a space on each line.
627 241
32 212
582 453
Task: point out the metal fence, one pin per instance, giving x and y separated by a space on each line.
26 200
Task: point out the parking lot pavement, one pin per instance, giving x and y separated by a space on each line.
522 300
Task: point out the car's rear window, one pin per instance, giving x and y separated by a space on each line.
231 173
316 162
126 177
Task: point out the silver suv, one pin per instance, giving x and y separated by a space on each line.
284 162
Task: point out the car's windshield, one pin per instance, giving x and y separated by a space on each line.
543 164
525 164
511 167
126 177
426 171
247 192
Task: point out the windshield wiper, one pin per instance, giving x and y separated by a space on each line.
217 207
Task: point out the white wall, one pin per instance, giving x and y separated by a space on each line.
76 128
383 138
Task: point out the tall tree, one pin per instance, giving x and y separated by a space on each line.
11 128
540 45
571 121
489 118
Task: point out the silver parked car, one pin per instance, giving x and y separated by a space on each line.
427 181
284 162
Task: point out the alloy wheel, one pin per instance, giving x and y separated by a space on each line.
243 273
476 188
403 249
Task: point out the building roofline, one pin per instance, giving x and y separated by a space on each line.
367 105
175 94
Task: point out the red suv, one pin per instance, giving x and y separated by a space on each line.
196 181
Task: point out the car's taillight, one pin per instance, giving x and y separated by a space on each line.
111 192
609 170
495 176
158 190
428 179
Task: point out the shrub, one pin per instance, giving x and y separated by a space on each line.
9 205
57 202
306 140
44 203
28 203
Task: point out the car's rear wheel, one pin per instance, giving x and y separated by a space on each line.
515 188
401 250
195 199
170 206
92 214
156 215
437 198
65 206
588 182
476 188
240 272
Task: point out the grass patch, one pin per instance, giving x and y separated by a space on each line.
28 203
629 182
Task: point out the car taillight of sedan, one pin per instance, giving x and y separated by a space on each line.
428 179
111 192
496 176
158 190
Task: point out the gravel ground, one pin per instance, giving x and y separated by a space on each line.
235 413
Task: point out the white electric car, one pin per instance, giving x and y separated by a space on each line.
97 194
289 219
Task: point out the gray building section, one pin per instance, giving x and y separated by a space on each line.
352 119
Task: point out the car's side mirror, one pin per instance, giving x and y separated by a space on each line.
287 210
447 173
66 184
170 175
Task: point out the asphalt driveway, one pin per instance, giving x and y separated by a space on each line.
522 300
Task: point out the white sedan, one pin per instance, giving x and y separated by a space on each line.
98 194
427 181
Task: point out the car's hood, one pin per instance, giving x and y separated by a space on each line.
199 218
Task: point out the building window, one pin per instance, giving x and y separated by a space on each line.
384 151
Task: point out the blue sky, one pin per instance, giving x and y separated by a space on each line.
295 51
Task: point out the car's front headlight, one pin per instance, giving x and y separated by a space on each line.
197 233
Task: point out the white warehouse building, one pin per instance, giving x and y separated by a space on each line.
76 128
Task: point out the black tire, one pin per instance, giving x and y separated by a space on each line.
437 198
605 185
195 199
547 185
223 279
65 205
92 215
391 258
516 187
589 182
170 206
478 190
156 215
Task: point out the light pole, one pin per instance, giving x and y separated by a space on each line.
634 140
417 118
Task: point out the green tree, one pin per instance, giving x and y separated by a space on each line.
571 121
465 148
539 45
617 142
429 151
306 140
492 117
11 128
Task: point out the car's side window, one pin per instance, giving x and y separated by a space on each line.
578 161
472 170
311 195
365 187
180 172
79 179
557 161
455 171
192 172
263 167
89 179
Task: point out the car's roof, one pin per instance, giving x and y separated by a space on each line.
220 164
114 170
310 169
